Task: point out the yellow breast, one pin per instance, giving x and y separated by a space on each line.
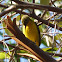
31 32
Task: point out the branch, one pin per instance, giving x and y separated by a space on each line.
8 45
15 47
60 55
36 6
40 19
28 55
15 7
11 8
3 6
26 43
6 39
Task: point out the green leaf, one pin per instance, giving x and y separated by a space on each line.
30 0
59 24
18 19
42 28
43 41
1 33
11 47
7 31
54 50
44 2
61 50
58 37
2 55
45 49
1 47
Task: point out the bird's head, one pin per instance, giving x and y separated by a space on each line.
25 19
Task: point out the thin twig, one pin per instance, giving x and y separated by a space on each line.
43 14
60 55
28 55
52 16
1 5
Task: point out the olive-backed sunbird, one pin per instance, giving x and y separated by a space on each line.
31 30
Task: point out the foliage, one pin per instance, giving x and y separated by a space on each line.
51 38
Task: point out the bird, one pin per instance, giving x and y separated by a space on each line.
31 30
